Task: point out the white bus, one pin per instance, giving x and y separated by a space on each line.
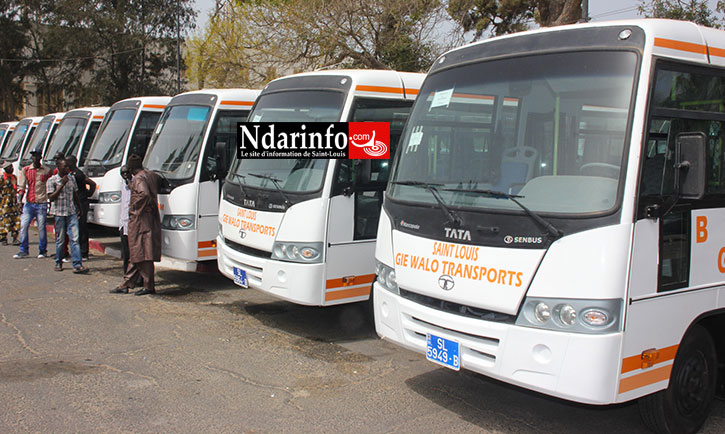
304 229
186 150
42 136
554 216
75 134
18 141
125 131
6 130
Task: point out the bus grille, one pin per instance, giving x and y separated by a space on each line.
456 308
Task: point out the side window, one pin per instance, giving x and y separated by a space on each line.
86 146
369 197
142 134
684 99
224 131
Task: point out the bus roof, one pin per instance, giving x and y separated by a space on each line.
668 38
225 97
53 117
96 113
9 124
372 82
147 102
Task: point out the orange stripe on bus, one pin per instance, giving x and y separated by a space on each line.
680 45
644 379
719 52
207 244
635 362
384 89
347 293
472 96
350 281
249 103
97 117
158 106
412 91
207 253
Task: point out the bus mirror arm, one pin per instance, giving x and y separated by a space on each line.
221 157
362 177
689 172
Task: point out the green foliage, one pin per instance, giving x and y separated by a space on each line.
697 11
12 41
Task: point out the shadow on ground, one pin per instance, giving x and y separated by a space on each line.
501 407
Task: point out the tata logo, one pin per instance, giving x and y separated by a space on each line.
458 234
242 234
446 282
249 203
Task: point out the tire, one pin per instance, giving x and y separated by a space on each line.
683 407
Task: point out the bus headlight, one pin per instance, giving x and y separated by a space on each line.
109 197
386 277
308 253
178 222
572 315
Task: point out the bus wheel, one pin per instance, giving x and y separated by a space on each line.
683 407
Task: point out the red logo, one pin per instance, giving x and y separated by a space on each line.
369 140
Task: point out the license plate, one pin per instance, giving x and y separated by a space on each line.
240 277
443 351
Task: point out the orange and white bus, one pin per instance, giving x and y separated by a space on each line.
555 216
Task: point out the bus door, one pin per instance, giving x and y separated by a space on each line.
676 242
224 131
355 203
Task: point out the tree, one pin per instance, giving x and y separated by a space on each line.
500 17
12 66
697 11
252 41
101 51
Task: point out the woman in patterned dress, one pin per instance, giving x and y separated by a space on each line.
9 214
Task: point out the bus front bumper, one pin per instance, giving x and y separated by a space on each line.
572 366
298 283
104 214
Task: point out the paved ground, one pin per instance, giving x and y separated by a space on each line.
205 356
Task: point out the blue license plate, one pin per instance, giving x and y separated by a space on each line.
443 351
240 277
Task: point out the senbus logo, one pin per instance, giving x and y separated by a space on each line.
333 140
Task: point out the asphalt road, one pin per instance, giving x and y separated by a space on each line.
206 356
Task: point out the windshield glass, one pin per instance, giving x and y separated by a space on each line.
549 128
291 175
298 106
66 139
15 142
36 142
108 149
176 144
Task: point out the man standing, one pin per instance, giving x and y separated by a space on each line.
144 228
86 187
64 205
31 183
9 213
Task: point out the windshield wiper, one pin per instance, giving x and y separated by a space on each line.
553 230
275 182
433 188
241 184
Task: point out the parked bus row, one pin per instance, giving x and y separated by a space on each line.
552 216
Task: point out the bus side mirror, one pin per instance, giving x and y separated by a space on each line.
690 165
221 159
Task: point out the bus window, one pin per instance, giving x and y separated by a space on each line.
142 134
369 197
223 131
92 131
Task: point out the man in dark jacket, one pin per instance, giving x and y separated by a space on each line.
144 228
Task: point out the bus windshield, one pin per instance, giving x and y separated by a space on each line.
298 106
108 149
36 142
15 142
176 144
67 139
547 128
